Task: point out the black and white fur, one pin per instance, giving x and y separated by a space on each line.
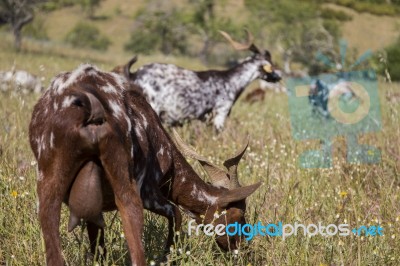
178 94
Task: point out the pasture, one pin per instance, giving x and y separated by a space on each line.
358 194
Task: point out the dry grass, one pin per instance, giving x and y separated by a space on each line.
353 194
366 31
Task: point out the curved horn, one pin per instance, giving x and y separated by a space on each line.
128 66
232 164
218 176
240 46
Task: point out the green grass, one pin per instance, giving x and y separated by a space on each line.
354 194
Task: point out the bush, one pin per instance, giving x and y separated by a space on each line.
84 35
160 30
393 61
328 13
36 29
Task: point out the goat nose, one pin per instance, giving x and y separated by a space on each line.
276 76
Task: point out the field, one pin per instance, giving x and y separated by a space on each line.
357 194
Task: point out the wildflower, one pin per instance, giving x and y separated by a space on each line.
343 194
122 235
236 251
33 163
393 236
14 193
22 178
152 262
188 253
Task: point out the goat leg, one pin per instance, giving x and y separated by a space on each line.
51 191
96 232
127 197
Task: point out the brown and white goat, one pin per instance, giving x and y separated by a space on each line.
178 94
100 147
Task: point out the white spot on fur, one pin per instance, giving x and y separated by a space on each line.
145 124
116 108
40 176
128 121
41 145
138 131
68 101
161 151
203 196
51 140
55 106
121 82
75 76
108 89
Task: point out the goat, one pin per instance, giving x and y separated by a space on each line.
20 80
100 147
178 94
256 95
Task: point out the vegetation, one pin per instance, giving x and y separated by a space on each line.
17 13
357 194
85 35
376 7
354 194
393 60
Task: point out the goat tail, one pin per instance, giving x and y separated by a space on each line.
95 125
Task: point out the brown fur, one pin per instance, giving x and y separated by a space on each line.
88 125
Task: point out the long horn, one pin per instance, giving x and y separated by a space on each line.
218 176
240 46
232 164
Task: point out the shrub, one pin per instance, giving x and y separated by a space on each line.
36 29
328 13
84 35
393 61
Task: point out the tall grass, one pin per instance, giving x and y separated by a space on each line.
357 194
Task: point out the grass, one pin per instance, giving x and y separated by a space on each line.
356 194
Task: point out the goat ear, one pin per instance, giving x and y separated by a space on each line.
237 194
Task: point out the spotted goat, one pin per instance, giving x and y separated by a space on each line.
178 94
100 147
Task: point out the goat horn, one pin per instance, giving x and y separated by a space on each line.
218 176
232 164
128 66
239 46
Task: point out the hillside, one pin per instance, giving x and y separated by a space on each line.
114 18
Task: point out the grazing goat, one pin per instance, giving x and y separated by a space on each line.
256 95
178 94
20 80
100 147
